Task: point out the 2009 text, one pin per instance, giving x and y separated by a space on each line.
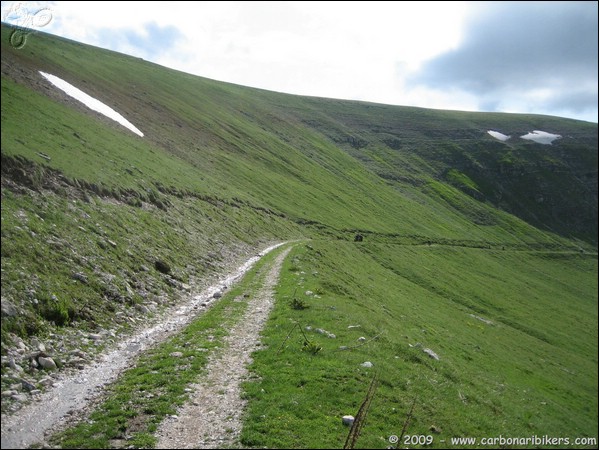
412 439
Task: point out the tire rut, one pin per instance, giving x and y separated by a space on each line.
213 416
73 394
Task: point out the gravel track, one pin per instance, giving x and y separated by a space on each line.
75 391
212 418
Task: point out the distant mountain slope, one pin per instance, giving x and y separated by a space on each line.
553 187
347 165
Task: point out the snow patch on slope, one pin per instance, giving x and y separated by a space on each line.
542 137
498 135
90 102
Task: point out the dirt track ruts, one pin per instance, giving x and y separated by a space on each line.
212 418
73 393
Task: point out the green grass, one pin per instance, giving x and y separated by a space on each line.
458 227
53 237
461 180
532 370
310 159
49 240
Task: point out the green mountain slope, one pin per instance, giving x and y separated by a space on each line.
456 225
300 155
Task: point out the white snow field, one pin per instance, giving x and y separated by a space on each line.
498 135
542 137
90 102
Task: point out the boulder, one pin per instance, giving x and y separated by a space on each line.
46 363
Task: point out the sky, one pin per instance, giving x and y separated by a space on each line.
523 57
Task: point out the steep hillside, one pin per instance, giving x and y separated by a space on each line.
101 228
337 163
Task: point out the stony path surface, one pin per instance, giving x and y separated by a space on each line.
73 392
213 416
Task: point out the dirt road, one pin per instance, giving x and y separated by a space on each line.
73 392
213 416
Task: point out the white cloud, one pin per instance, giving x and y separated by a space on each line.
526 56
353 50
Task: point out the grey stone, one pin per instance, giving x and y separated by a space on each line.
46 363
46 381
482 319
80 276
173 282
8 309
142 309
431 353
348 420
37 345
27 385
78 363
19 397
14 366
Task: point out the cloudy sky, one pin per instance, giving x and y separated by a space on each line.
527 57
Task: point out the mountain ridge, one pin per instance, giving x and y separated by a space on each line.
411 139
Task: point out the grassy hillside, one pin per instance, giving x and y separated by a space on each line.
288 153
517 351
458 227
